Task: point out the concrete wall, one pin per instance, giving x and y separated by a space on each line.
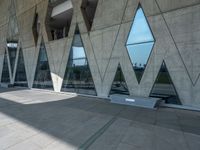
175 25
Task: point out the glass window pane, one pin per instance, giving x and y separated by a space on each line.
140 43
164 88
119 84
79 62
20 77
12 51
43 74
5 78
140 53
140 31
78 77
78 52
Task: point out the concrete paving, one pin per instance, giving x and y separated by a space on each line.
44 120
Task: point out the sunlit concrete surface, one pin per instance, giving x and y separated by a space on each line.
44 120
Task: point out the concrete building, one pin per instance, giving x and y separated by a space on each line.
100 47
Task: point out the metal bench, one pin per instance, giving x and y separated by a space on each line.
145 102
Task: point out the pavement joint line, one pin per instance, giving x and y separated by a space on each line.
96 135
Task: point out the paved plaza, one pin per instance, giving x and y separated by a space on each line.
44 120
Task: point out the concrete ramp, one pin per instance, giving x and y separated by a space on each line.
145 102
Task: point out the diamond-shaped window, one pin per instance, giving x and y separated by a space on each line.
140 43
20 76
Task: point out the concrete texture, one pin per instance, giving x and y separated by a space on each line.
174 24
44 120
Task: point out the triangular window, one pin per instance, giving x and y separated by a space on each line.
12 51
119 85
78 77
20 76
5 78
164 88
43 74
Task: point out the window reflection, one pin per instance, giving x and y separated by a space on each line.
119 84
20 77
78 77
164 88
140 43
79 58
43 74
5 78
140 31
139 62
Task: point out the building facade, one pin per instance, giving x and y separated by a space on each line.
102 47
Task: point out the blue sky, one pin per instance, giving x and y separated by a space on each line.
78 52
139 53
140 31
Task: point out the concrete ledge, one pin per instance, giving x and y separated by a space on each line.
144 102
185 107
